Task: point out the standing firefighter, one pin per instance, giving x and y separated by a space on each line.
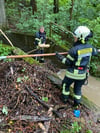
40 40
78 60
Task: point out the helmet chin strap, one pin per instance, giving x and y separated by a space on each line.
82 40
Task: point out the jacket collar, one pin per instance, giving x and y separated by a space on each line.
77 43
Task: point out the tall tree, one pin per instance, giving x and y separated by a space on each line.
71 9
70 13
56 6
33 3
2 14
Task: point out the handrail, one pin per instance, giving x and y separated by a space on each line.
61 28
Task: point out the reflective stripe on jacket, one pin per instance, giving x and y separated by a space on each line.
40 38
78 59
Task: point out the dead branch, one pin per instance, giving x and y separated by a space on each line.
41 102
47 124
31 118
42 127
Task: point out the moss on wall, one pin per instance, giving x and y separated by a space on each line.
30 60
18 51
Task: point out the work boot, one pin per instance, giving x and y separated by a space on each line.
76 105
64 99
41 60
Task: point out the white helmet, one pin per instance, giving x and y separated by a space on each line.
82 32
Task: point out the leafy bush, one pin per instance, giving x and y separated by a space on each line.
4 50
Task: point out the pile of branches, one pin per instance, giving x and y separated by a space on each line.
30 102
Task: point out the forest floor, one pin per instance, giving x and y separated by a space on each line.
30 102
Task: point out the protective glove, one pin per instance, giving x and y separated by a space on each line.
60 57
98 50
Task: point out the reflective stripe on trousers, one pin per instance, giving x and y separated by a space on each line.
77 99
64 92
77 88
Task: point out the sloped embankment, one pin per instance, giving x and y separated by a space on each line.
22 112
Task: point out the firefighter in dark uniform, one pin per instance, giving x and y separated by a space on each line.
40 38
78 60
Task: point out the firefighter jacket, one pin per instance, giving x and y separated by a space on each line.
40 38
78 59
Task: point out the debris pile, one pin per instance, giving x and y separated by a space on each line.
30 102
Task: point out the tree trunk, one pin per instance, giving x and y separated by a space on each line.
71 13
2 14
71 9
33 3
56 6
24 2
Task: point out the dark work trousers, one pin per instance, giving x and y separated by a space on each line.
40 51
77 89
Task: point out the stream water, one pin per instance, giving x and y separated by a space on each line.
26 43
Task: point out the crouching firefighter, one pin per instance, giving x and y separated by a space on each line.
77 61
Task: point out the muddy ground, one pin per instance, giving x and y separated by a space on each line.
22 112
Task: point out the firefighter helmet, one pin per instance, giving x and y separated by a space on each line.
82 33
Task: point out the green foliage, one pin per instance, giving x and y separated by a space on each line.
95 66
59 41
75 127
21 79
26 21
23 70
26 78
12 12
84 13
89 131
45 99
5 110
4 50
65 131
64 2
88 14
